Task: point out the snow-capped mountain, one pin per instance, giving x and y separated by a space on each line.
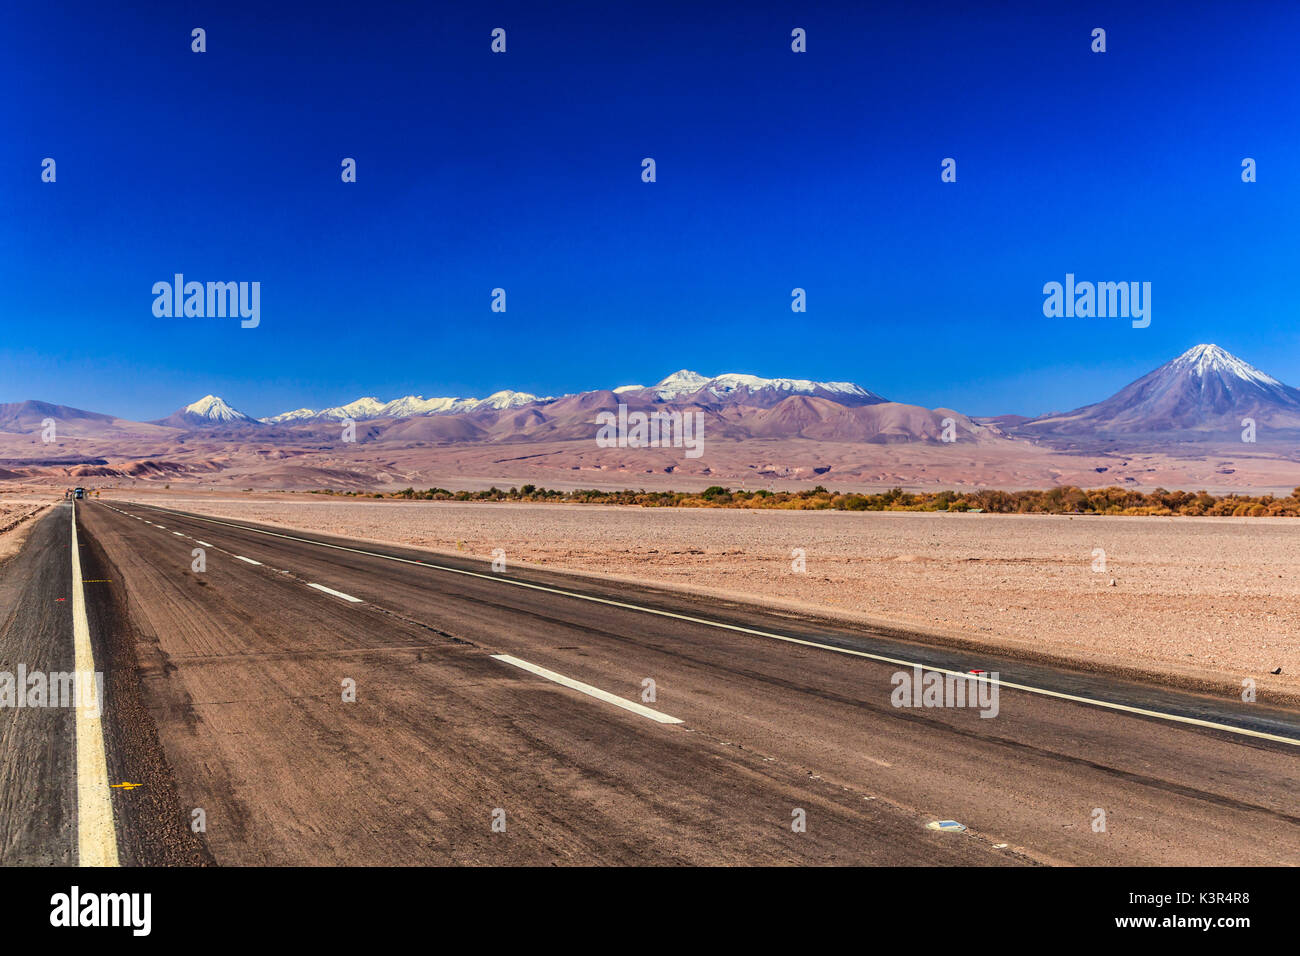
365 409
733 387
508 398
1204 390
684 382
680 387
1205 361
208 410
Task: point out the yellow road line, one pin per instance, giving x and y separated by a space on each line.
96 838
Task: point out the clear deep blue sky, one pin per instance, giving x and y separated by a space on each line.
522 170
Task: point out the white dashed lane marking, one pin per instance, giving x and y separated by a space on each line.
204 544
587 689
337 594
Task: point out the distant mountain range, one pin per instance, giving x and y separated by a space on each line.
738 406
680 387
1205 393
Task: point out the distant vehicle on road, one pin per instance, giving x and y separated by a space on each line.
78 492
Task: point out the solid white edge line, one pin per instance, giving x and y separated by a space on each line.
96 837
1059 695
337 594
587 689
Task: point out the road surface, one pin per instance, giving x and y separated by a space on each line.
504 718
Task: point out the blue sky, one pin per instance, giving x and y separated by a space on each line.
522 171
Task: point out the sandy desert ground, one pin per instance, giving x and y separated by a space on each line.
1197 602
16 514
776 464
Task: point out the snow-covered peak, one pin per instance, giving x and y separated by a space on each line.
370 407
214 409
508 398
727 384
1204 359
361 408
407 406
731 381
296 415
681 383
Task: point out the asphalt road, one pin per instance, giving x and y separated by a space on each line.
226 694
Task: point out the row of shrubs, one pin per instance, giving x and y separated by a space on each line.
1063 500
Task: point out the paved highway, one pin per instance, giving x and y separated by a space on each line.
502 718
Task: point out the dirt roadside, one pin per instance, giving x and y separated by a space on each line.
16 521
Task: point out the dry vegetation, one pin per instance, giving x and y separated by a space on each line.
1064 500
